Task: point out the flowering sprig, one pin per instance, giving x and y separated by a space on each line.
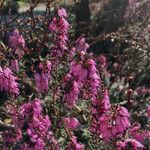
17 43
73 83
94 79
8 82
16 40
42 77
59 27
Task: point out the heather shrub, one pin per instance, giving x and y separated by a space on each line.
56 94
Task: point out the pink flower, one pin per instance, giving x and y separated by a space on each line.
113 123
148 112
101 106
74 145
8 82
94 79
73 83
71 123
16 40
106 100
29 120
138 134
129 143
81 45
42 77
53 26
62 13
59 27
14 65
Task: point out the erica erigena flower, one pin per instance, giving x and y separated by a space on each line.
94 79
71 123
129 144
16 40
8 81
74 145
14 65
42 77
73 83
81 45
139 134
59 27
113 123
34 128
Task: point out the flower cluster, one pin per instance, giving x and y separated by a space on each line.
14 65
17 43
73 83
129 144
77 78
81 45
94 79
8 81
16 40
71 123
74 145
59 27
33 127
114 123
99 107
138 134
42 77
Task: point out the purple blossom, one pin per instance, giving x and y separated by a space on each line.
110 124
42 77
30 121
74 145
139 134
106 100
73 83
62 13
8 82
81 45
14 65
16 40
101 106
59 28
94 79
71 123
129 143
